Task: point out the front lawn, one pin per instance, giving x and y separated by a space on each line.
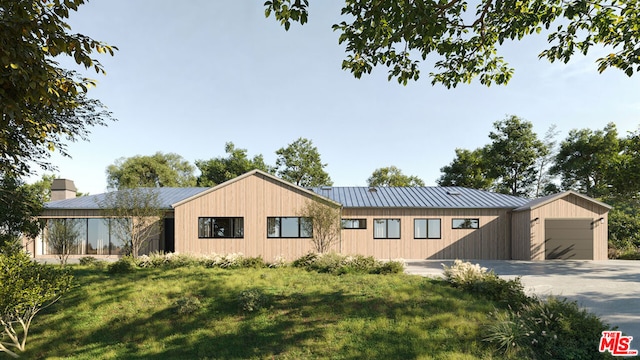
200 313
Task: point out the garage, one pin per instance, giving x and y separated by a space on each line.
569 239
567 225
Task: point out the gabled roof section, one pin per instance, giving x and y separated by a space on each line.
435 197
166 196
262 174
536 203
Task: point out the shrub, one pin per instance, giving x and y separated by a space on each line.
122 266
187 305
253 262
26 287
174 260
92 261
361 264
548 329
391 267
305 261
152 260
510 334
229 261
464 274
279 262
338 264
252 300
479 280
331 263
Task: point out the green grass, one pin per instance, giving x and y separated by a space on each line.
306 316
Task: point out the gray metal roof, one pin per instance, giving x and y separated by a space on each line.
166 196
419 197
535 203
350 197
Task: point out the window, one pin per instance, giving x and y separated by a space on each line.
95 237
289 227
465 223
386 228
426 229
98 241
220 227
354 223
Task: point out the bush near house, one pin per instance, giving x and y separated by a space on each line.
529 327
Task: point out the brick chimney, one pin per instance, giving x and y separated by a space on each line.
62 189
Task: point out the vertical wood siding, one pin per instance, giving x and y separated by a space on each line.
254 198
569 207
522 232
490 241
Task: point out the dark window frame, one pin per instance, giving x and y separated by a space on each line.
468 221
362 224
426 235
386 222
300 228
212 233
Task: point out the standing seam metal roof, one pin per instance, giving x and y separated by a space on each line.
349 197
419 197
166 196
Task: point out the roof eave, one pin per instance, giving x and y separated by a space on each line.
558 196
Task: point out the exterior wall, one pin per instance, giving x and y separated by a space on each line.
522 231
569 207
254 198
490 241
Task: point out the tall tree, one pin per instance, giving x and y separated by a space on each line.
218 170
625 179
300 163
19 206
158 170
468 169
586 159
465 38
42 187
42 104
545 184
134 216
512 156
392 176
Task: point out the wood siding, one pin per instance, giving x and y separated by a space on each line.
569 207
490 241
522 231
253 198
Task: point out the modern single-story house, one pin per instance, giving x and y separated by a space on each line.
258 214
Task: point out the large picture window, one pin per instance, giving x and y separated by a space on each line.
386 228
95 237
354 223
426 229
465 223
289 227
220 227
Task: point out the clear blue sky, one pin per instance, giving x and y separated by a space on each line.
192 75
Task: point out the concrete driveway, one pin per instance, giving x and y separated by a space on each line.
610 289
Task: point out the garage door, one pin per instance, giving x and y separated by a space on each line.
569 239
